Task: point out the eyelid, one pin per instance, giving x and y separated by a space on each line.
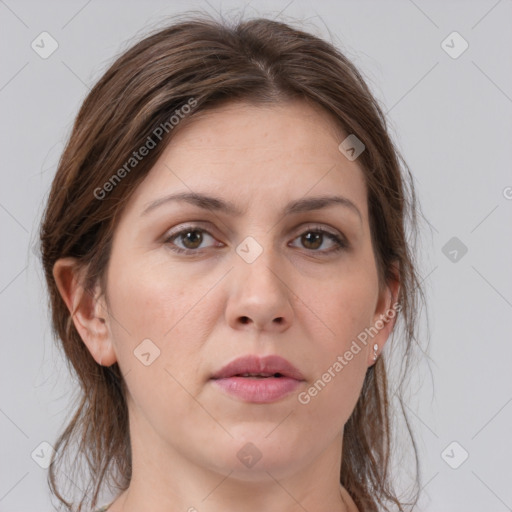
191 226
338 237
326 228
319 227
304 226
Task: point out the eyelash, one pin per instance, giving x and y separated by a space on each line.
341 244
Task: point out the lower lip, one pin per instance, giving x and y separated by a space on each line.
258 390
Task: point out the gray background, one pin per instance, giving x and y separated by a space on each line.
451 118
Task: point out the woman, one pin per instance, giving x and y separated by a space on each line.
226 255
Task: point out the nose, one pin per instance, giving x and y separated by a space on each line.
260 296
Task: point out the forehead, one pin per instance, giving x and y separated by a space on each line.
274 128
251 152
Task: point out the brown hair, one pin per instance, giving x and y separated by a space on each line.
258 61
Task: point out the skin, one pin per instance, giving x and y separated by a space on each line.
204 309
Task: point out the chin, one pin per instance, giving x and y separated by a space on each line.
251 456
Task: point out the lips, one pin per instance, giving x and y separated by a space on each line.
262 367
258 379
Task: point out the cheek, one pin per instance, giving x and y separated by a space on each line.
157 304
329 401
345 307
154 299
340 362
174 310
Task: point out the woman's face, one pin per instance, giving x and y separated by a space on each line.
259 282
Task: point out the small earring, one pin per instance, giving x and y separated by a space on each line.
375 348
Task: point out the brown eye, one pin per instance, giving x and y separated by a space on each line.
313 239
192 239
188 239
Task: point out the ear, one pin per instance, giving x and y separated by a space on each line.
88 310
384 318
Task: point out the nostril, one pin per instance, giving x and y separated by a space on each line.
244 319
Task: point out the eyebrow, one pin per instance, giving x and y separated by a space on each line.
217 204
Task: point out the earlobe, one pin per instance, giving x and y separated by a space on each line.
87 308
385 317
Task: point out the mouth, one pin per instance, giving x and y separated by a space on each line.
259 375
257 379
253 366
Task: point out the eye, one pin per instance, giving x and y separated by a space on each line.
313 238
191 237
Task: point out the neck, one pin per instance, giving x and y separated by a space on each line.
164 480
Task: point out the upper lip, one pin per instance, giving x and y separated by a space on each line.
254 364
